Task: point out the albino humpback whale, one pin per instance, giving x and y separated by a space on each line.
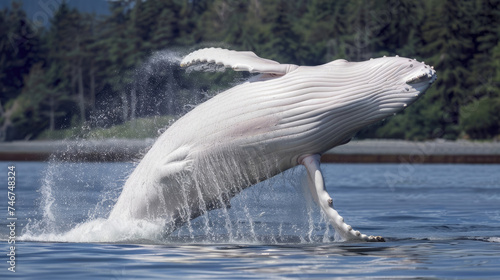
286 116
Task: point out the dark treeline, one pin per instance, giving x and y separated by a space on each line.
97 71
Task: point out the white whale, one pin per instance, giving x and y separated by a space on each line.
286 116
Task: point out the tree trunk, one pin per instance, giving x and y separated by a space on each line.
3 128
81 97
52 114
123 96
92 86
133 100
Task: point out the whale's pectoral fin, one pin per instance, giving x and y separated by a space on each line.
323 199
176 162
238 61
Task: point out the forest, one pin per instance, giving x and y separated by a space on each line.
87 71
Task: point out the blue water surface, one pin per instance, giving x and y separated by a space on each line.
440 221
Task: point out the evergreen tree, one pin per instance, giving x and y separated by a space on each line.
282 41
66 49
398 26
166 29
360 42
449 46
486 31
39 103
20 49
91 49
83 65
323 29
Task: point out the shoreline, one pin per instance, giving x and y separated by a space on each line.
357 151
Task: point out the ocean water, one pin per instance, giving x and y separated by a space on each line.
439 221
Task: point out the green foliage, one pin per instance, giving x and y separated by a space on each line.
20 49
134 129
457 38
419 122
480 119
100 72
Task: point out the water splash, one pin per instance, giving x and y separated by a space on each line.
163 57
256 215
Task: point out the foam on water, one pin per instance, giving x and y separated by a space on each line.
494 239
103 230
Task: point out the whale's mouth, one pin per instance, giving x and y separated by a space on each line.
426 74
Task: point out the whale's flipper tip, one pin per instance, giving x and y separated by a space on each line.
372 238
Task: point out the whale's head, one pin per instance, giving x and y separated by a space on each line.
353 95
396 82
378 88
